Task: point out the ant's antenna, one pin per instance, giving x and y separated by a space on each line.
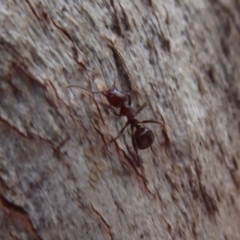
114 81
76 86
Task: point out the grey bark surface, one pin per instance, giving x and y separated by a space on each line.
57 181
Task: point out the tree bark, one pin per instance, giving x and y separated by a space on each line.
59 180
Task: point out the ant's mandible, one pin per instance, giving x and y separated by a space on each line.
142 137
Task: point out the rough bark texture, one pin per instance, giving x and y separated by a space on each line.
56 180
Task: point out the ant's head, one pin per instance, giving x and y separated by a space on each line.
110 93
115 97
144 137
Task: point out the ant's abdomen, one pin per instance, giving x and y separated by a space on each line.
144 137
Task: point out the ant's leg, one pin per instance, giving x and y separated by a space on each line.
119 134
152 121
165 132
140 109
112 109
102 92
76 86
129 99
133 140
57 150
137 160
89 91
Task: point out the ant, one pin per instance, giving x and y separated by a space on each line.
142 137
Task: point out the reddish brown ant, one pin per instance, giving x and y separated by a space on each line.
142 137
